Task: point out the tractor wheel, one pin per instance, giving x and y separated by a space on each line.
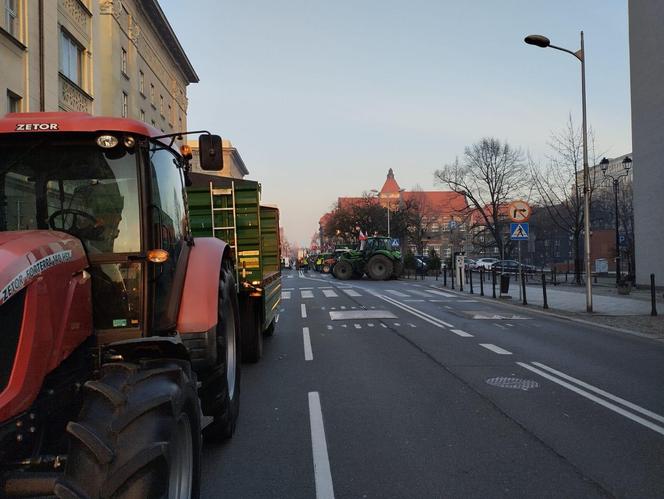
398 269
221 390
380 268
343 270
326 269
252 336
138 434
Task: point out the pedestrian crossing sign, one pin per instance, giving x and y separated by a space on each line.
519 231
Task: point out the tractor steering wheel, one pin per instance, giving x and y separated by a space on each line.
74 229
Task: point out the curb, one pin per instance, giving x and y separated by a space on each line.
553 314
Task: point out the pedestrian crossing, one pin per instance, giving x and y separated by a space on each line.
409 295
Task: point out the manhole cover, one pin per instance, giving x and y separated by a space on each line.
513 383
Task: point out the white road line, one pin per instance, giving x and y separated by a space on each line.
597 400
467 301
287 289
303 310
397 324
344 325
329 293
411 324
495 349
461 333
599 391
357 326
342 307
306 293
276 319
285 295
440 293
414 311
499 325
414 300
306 288
371 324
509 325
329 326
419 293
308 353
397 293
351 292
383 325
322 473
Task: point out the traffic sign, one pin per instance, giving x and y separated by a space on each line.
519 232
519 211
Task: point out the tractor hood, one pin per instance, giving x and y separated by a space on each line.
26 255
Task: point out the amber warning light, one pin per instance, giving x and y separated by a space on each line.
185 150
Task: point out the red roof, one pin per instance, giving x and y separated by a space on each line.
446 202
390 186
72 122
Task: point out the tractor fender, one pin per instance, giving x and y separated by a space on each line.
197 319
151 347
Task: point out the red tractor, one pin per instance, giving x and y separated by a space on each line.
120 331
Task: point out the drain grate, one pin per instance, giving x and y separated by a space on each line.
513 383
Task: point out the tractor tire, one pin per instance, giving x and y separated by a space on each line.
326 269
398 270
138 434
252 336
380 268
343 270
221 389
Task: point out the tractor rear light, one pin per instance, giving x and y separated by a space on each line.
157 255
11 318
129 141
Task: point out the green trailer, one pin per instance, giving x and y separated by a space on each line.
230 209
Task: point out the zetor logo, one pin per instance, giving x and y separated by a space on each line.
28 127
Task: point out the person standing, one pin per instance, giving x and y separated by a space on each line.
362 237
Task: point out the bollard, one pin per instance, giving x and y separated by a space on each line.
470 273
653 301
481 282
445 277
493 281
523 287
461 274
452 277
546 303
437 272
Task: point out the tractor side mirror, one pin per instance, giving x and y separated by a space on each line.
211 157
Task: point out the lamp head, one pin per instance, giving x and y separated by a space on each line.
627 163
604 164
537 40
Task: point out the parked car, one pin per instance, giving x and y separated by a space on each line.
506 266
485 263
470 263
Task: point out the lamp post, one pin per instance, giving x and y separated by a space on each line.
377 194
615 178
544 42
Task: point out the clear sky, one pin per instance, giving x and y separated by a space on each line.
322 97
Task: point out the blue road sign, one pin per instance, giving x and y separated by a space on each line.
395 242
519 231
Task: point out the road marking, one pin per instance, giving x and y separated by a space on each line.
322 308
414 311
414 300
303 310
371 324
397 324
357 326
509 325
397 293
499 325
440 293
287 289
411 324
495 349
344 325
329 326
342 307
308 353
419 293
276 319
467 301
322 473
383 325
306 293
329 293
285 295
461 333
353 308
599 391
351 292
597 400
306 288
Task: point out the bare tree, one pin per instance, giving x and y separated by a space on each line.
490 175
559 185
420 216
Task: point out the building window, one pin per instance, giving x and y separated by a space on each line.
70 58
11 17
125 105
161 105
152 94
13 102
141 83
180 124
142 115
170 116
124 63
154 123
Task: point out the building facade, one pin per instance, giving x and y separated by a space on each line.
646 39
105 57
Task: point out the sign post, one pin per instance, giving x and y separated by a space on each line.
519 213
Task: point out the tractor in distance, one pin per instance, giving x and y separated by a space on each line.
120 335
379 260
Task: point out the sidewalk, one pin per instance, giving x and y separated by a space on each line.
609 308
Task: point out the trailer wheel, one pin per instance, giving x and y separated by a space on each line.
343 270
138 434
222 389
252 336
380 268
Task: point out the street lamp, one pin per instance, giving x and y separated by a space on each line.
377 194
544 42
615 178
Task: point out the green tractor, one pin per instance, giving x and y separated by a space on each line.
378 260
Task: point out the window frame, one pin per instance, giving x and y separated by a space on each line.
11 18
124 62
71 41
125 104
14 98
141 82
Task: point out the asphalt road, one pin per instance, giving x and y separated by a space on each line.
398 389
